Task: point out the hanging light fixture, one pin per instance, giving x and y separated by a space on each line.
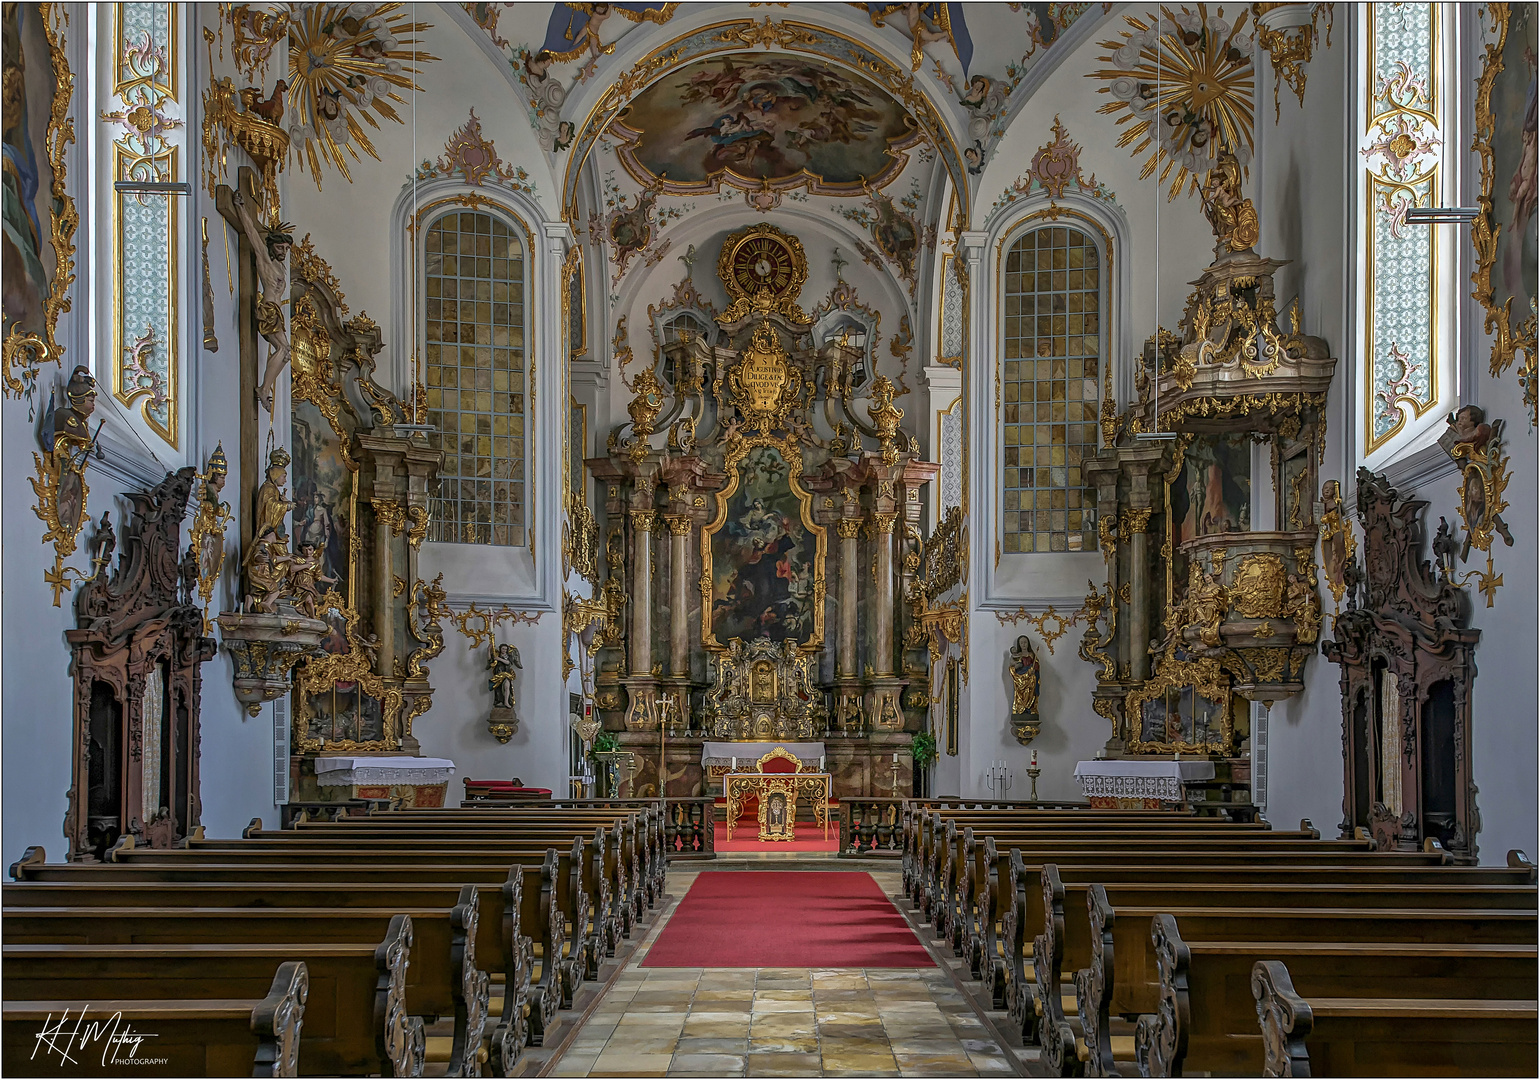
417 413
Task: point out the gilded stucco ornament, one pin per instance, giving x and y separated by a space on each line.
1290 43
1182 81
1477 447
885 418
60 485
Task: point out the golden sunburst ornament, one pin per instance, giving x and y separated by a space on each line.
1191 73
346 62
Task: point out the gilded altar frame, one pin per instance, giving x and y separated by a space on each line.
737 450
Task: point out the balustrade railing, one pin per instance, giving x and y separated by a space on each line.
690 831
871 827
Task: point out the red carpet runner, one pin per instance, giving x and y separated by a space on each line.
786 919
809 838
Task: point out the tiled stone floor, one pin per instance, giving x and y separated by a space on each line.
781 1022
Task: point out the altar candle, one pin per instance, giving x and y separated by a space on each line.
1034 759
895 759
735 764
820 763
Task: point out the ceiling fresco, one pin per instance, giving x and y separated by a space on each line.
759 117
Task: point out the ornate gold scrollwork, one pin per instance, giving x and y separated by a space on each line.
60 484
580 540
390 514
489 621
321 674
1477 447
885 418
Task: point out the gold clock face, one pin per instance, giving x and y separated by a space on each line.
763 262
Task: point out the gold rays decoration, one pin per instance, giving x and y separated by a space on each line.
343 68
1190 72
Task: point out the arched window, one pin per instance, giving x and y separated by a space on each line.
473 351
1050 387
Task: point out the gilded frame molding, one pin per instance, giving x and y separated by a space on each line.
791 450
572 274
1509 339
28 350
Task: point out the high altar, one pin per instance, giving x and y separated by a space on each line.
762 537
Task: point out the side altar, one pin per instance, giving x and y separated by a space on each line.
761 517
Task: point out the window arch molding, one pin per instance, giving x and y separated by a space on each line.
1006 581
529 574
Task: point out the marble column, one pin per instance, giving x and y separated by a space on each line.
882 602
849 530
679 606
384 593
641 592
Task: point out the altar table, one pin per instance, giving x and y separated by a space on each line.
1143 784
723 753
417 781
737 787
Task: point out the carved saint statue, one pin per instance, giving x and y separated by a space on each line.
1025 674
270 245
501 662
306 579
273 502
1230 213
268 559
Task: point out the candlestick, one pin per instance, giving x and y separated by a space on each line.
1034 772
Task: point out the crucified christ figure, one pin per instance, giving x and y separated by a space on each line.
271 246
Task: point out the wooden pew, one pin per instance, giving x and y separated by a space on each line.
442 978
540 898
613 883
1357 1036
638 883
643 830
353 988
956 872
1121 973
187 1037
1203 1024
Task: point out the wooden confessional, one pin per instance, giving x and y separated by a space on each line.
137 653
1407 654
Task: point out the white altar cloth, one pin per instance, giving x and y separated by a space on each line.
366 769
722 753
1161 780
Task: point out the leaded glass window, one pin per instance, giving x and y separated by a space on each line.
473 352
1402 152
143 120
1050 379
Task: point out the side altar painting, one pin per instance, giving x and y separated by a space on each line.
763 559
